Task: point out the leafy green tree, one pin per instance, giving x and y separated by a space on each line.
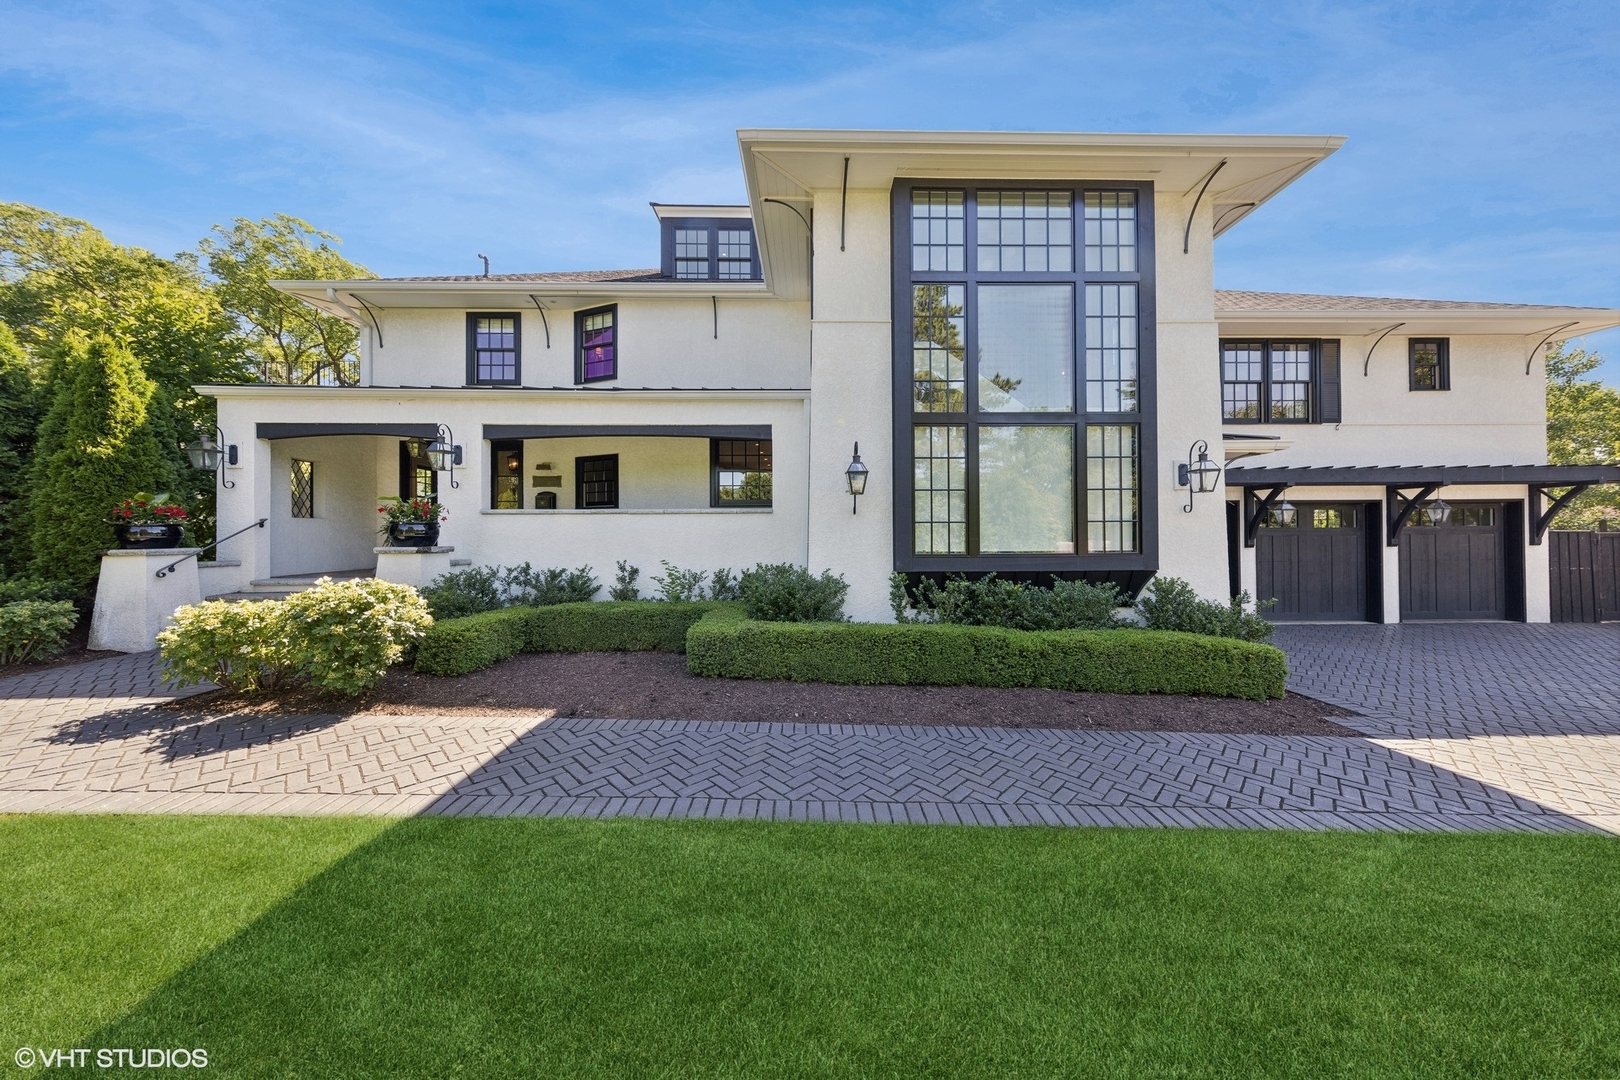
21 408
1583 428
287 341
96 446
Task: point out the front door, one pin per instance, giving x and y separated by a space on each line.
1455 570
1314 565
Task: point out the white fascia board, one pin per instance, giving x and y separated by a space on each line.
683 210
504 393
1524 321
472 295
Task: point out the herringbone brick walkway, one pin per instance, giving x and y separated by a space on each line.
87 738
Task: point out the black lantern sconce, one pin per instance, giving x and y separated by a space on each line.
443 453
856 474
1198 477
207 453
1284 514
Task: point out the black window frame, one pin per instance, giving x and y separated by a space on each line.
1323 404
1130 568
472 348
497 447
308 483
711 227
580 377
580 464
1442 366
715 501
410 464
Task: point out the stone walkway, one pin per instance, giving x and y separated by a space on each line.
86 738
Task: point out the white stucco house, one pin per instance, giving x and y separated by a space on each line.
1023 335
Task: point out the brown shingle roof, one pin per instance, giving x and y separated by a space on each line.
1245 300
563 277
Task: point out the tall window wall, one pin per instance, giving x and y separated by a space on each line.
1022 364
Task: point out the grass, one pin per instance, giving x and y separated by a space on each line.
635 948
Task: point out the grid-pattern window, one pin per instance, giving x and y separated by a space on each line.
417 477
598 344
1333 517
742 472
1429 366
1243 365
691 253
1111 348
1112 514
938 231
1290 389
939 489
1110 226
939 348
506 476
303 489
1025 230
596 482
494 344
736 254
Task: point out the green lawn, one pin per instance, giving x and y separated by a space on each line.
319 948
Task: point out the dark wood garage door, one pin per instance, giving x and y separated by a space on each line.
1456 570
1316 567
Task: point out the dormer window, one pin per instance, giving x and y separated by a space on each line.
734 256
711 247
691 253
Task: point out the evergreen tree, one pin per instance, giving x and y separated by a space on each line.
21 405
96 446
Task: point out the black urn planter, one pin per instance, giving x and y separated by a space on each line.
413 534
133 537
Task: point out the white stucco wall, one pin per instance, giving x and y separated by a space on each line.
344 529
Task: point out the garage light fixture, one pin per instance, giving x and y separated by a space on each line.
856 474
443 454
1285 514
206 453
1198 477
1439 511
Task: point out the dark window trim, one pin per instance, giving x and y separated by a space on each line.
517 348
408 466
579 343
715 501
713 225
1315 411
496 448
579 480
1443 365
293 484
1146 419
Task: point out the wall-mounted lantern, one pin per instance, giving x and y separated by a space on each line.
443 453
1197 476
1285 514
207 452
856 474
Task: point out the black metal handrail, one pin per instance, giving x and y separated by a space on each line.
256 525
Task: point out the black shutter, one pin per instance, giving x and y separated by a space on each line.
1330 412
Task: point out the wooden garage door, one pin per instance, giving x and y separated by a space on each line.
1454 571
1315 568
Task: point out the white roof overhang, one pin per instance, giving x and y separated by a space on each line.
1566 322
344 298
783 167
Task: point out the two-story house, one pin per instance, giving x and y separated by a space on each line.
1021 334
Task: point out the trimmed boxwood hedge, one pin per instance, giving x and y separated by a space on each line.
1105 661
457 646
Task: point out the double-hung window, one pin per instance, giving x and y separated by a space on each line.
1019 397
710 249
493 347
1430 363
596 482
597 355
1279 382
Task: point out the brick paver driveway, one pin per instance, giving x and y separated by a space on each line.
1468 728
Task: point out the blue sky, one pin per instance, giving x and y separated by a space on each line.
1483 161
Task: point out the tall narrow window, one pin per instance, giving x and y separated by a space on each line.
596 482
1290 381
1430 367
939 348
939 489
492 347
598 344
1111 348
691 253
417 477
303 489
742 472
1242 379
938 231
1112 515
734 253
506 475
1111 231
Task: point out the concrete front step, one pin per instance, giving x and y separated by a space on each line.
256 594
279 588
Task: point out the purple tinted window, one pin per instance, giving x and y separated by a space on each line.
598 355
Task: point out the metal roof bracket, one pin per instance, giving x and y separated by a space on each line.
1367 363
1532 357
1186 234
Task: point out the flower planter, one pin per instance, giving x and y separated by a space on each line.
148 536
413 534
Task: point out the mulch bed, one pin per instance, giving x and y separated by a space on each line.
657 686
73 652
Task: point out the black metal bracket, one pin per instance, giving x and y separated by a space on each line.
1531 359
714 301
1367 363
164 571
543 321
448 438
1255 508
1186 234
1541 519
1240 206
843 210
374 323
1398 510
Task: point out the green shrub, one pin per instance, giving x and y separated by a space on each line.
680 586
992 601
490 588
339 636
36 589
723 585
1122 661
782 592
34 629
1171 604
458 646
624 583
